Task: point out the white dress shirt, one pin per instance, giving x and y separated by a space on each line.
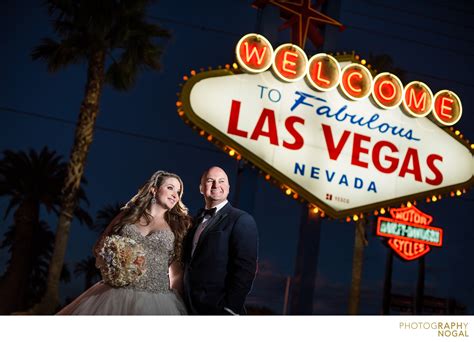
203 225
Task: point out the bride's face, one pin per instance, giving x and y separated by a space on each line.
168 193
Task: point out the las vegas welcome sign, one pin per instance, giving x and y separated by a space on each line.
328 130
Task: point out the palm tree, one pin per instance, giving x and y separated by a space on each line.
30 180
384 63
105 215
42 249
88 269
92 31
87 266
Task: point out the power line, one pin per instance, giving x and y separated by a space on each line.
195 26
107 129
418 14
451 8
465 84
437 47
416 27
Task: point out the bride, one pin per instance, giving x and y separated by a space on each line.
157 220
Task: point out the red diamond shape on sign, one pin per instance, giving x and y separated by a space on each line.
408 250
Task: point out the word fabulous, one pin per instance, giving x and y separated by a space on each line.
324 73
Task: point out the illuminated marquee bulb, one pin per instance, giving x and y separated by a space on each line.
288 192
324 72
315 210
447 108
417 99
356 81
254 53
382 211
290 63
231 153
387 90
355 218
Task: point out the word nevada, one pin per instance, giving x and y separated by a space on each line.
323 73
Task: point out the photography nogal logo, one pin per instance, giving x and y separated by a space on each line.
442 329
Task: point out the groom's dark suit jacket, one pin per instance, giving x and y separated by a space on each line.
221 271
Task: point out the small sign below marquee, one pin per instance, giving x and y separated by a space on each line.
409 232
330 132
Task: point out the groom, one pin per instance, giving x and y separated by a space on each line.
220 252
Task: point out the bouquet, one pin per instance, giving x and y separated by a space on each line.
121 261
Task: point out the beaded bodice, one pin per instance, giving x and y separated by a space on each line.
158 248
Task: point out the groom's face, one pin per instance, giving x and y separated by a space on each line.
215 186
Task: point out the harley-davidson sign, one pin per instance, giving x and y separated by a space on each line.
409 232
328 130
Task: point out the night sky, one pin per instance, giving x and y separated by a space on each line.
139 132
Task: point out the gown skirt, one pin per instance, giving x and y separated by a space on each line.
102 299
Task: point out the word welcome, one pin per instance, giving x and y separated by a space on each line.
323 73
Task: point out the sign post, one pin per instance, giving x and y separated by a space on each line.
360 242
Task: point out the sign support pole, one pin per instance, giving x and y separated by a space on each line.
387 286
303 284
420 287
245 188
360 242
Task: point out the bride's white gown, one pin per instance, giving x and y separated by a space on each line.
151 295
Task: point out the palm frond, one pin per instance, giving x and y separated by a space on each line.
72 50
121 76
83 217
105 215
37 176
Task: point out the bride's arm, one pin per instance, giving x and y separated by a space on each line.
176 277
